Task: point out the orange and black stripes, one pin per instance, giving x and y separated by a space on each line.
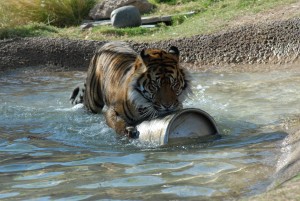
134 87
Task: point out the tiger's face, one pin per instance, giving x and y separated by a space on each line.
161 85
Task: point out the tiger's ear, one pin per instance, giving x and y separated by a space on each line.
144 54
140 62
174 50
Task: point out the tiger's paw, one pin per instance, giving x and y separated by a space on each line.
132 132
77 95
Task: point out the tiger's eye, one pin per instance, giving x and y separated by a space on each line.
175 85
153 86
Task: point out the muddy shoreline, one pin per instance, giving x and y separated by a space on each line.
270 43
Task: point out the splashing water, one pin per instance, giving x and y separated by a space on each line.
76 156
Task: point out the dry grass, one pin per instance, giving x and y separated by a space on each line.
59 13
212 16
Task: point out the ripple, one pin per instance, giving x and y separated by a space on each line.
136 181
23 167
41 154
189 191
44 198
40 175
158 167
8 195
41 184
206 168
130 159
19 148
74 198
202 155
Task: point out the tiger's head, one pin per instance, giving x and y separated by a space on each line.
160 85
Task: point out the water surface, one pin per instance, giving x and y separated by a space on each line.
73 155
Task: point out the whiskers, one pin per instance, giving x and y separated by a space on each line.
148 112
142 105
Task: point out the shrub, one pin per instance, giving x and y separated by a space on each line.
178 19
52 12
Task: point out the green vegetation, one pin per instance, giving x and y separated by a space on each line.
60 18
30 30
59 13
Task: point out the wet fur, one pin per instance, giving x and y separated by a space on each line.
134 87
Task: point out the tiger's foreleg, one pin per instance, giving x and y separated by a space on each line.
116 122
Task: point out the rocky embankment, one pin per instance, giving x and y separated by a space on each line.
275 42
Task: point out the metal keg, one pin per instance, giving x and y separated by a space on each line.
187 125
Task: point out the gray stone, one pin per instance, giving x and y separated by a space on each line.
86 26
103 9
127 16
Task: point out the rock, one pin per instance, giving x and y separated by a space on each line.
103 9
86 26
127 16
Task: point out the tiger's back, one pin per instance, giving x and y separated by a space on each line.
108 71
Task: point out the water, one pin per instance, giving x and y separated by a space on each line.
51 151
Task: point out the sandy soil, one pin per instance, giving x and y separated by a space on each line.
278 13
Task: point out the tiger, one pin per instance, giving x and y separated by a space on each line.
133 87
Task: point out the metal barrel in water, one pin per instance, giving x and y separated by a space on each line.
187 125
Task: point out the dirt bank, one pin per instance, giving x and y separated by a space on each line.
273 42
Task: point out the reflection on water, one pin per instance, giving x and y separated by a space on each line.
77 157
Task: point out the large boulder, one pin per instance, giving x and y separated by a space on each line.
104 9
126 16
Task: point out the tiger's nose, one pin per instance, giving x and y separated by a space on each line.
168 106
